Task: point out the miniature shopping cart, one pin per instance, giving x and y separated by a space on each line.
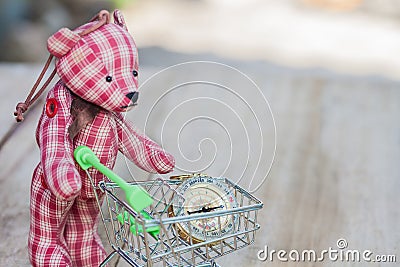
160 232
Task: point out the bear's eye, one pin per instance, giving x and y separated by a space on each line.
108 79
135 73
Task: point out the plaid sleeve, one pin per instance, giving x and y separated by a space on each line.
140 149
60 174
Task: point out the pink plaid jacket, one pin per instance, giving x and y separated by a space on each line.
106 135
102 69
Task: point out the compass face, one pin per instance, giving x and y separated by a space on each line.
204 195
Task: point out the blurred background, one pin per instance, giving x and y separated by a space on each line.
329 69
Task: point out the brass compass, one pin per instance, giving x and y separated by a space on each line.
206 197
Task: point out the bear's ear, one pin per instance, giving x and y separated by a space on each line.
119 19
62 42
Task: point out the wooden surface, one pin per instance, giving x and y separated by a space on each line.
336 173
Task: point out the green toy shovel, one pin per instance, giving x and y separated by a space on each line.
136 196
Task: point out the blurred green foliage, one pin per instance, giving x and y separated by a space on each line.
26 24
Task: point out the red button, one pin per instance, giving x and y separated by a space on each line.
51 107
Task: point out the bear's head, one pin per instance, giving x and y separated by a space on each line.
100 64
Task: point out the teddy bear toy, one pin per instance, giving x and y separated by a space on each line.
98 67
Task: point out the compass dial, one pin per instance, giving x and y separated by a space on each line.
205 196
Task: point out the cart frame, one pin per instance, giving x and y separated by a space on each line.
130 233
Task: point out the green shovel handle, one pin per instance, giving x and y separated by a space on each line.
86 159
137 197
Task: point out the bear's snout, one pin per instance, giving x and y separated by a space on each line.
133 96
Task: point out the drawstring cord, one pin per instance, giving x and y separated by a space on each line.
103 18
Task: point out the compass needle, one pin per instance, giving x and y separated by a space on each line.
206 197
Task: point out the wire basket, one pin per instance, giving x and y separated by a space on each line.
153 238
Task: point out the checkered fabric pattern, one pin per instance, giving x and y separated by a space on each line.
101 54
62 42
141 150
64 213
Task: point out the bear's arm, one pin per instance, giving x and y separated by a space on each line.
141 150
60 174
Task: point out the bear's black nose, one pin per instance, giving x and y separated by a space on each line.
133 96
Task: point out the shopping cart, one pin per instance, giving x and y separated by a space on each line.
152 234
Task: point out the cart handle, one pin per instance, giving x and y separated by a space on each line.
136 196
